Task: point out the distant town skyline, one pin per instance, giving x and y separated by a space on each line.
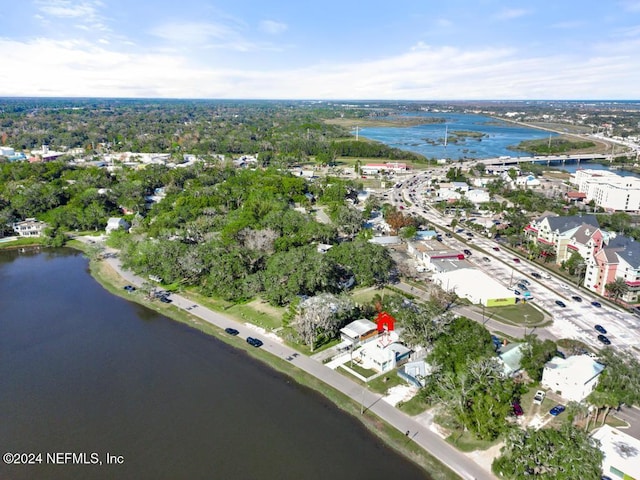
248 49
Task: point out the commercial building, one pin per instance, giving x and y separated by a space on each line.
476 286
621 453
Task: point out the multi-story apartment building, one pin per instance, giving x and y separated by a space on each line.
608 190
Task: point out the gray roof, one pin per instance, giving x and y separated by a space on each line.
562 224
584 233
626 248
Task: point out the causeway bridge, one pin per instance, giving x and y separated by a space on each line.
546 160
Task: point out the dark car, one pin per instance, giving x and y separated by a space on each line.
165 300
600 329
517 292
231 331
560 303
604 339
522 286
439 239
536 275
577 298
517 260
497 249
596 304
448 235
254 342
557 410
517 409
129 288
486 259
467 252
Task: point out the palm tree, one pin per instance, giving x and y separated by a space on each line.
616 289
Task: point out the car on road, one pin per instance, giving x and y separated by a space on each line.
557 410
604 339
486 259
497 249
596 304
539 397
231 331
448 235
536 275
576 298
129 288
525 281
517 260
165 299
517 292
600 329
254 342
467 252
517 409
560 303
522 286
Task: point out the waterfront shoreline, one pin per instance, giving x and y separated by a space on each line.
390 436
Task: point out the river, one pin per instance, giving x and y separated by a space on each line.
494 136
83 371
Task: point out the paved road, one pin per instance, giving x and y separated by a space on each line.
418 433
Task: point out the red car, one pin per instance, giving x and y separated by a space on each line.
517 260
517 409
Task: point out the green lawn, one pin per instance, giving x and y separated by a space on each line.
518 314
466 442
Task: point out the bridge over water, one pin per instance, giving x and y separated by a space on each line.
546 160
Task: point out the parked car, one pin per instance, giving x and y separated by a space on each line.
522 286
231 331
600 329
536 275
165 300
129 288
497 249
517 292
604 339
254 342
517 409
448 235
596 304
557 410
560 303
576 298
486 259
538 398
467 252
517 260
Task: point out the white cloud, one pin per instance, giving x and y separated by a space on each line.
85 13
272 27
76 68
511 13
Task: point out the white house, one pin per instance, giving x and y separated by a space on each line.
29 227
477 196
574 378
116 223
358 331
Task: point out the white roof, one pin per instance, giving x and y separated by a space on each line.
621 451
358 327
576 366
473 281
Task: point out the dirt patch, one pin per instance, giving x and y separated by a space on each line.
263 307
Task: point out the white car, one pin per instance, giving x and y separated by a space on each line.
539 397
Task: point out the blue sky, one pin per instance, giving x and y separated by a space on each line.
281 49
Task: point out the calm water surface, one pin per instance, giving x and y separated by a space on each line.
428 139
84 371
